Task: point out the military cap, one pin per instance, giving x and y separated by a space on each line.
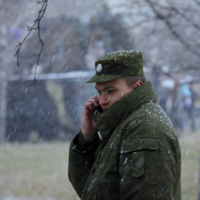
117 64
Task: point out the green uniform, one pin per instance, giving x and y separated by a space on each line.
137 155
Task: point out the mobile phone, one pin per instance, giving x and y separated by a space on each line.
99 108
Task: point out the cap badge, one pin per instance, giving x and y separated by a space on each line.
99 67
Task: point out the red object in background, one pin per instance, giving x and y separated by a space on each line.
104 17
93 18
115 16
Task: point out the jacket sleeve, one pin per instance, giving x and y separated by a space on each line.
81 158
149 169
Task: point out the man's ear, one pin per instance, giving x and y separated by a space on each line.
137 84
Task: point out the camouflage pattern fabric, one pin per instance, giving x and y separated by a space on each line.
117 64
137 156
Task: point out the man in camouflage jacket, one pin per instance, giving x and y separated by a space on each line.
130 151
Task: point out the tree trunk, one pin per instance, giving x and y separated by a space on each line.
3 91
3 71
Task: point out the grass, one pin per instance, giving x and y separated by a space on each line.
39 171
190 165
36 171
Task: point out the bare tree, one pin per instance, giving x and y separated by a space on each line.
181 23
168 31
9 18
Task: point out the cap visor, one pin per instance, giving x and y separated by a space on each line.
103 78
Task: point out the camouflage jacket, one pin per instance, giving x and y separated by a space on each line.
137 155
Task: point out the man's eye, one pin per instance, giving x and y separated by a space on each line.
110 91
98 92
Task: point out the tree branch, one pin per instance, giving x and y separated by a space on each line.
197 2
138 24
168 24
186 18
35 26
180 38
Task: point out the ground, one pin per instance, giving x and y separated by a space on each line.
39 171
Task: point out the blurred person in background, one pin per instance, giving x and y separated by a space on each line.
176 111
194 97
189 96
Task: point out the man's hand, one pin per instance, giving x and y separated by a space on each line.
89 128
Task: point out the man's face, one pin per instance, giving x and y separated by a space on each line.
110 92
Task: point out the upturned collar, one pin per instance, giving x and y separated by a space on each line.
109 119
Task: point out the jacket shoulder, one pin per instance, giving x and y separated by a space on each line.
149 121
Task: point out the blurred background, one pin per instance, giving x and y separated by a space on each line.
37 122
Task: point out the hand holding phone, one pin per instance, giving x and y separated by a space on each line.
98 108
88 126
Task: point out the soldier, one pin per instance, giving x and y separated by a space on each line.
129 150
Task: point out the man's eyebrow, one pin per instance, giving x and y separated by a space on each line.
106 88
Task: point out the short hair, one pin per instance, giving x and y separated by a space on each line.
130 80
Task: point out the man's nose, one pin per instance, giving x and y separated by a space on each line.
103 100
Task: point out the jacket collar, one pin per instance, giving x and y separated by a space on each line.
109 119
